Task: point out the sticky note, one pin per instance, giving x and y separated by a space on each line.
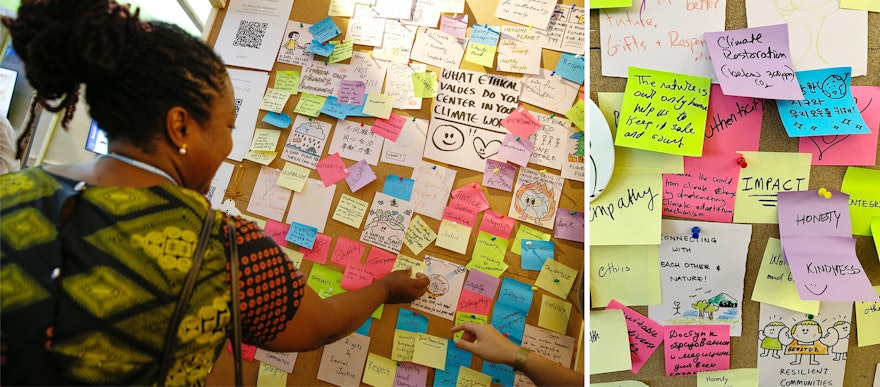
359 175
301 234
341 51
609 342
261 157
274 100
293 177
419 235
347 252
430 351
493 267
745 377
389 128
766 174
571 67
310 104
412 321
515 293
351 92
461 317
325 30
868 321
425 84
403 262
535 252
269 375
278 120
629 274
521 123
325 281
379 105
319 250
864 197
331 169
645 335
404 344
469 377
379 262
690 349
526 232
554 314
350 211
265 139
497 224
287 81
453 236
398 186
499 175
379 371
322 49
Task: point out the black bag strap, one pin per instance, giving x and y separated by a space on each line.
236 311
185 295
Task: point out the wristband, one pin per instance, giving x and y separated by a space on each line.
520 362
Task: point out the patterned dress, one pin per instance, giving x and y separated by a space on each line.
86 297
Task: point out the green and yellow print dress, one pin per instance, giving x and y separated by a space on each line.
88 299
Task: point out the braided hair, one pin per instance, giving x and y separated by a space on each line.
134 71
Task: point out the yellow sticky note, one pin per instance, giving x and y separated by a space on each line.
265 139
419 235
609 342
310 104
379 371
293 177
765 175
379 105
258 221
867 5
425 84
481 54
468 377
461 317
261 157
404 345
554 314
864 197
493 267
664 112
875 230
526 232
555 277
628 274
274 100
868 321
430 351
609 105
629 210
402 262
740 377
295 256
350 210
776 286
489 246
341 50
576 114
287 81
269 376
453 236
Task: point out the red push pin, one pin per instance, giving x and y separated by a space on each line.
507 335
742 162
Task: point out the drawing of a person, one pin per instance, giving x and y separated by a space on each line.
676 307
842 345
293 42
805 338
769 337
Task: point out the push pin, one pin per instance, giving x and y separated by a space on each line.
415 313
494 238
475 185
573 212
824 193
543 171
414 120
345 170
507 335
517 138
434 167
534 288
401 178
695 232
553 73
473 316
495 170
556 280
552 115
742 162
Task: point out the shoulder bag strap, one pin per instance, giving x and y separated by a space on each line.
185 295
236 311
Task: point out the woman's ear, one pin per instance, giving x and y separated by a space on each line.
175 126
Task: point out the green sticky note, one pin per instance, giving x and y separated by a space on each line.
493 267
341 50
310 104
609 105
740 377
425 84
526 232
868 321
555 277
325 281
461 317
287 80
765 175
489 246
628 274
864 197
664 112
403 345
776 286
875 230
610 4
609 342
403 262
481 54
576 114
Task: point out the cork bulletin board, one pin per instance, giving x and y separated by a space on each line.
382 330
861 362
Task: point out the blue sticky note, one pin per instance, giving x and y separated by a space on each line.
516 294
365 327
455 358
340 111
535 252
484 34
412 321
501 374
324 30
828 107
571 67
279 120
399 187
302 235
508 320
322 49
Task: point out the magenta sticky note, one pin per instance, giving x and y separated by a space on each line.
645 335
521 123
732 123
359 175
497 224
806 213
689 349
459 215
827 269
331 169
481 283
516 149
379 262
849 149
499 175
473 195
389 128
319 251
355 277
705 191
277 231
347 251
569 225
411 374
351 92
247 351
471 302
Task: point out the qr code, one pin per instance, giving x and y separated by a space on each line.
237 106
250 34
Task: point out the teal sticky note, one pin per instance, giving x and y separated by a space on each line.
516 294
278 120
365 327
535 252
509 320
483 34
322 49
412 321
302 235
571 67
500 373
398 186
325 30
340 111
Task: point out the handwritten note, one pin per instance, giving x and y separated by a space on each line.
536 197
469 377
745 377
331 169
827 269
365 27
499 175
389 128
269 199
321 79
519 50
864 197
425 85
554 314
775 284
350 210
645 335
283 361
319 250
868 321
515 149
411 374
696 348
550 92
387 222
356 141
351 92
828 106
530 13
342 50
807 214
306 141
497 224
379 370
430 351
342 362
566 29
609 342
629 210
380 262
378 105
534 253
407 149
295 45
569 225
571 67
454 25
347 252
438 48
397 42
628 274
766 174
556 278
399 84
849 149
419 235
287 81
477 99
312 204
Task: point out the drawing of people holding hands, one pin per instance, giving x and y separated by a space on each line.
840 348
769 337
805 338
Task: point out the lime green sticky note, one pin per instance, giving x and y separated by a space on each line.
287 81
629 210
261 157
628 274
576 114
493 267
868 321
269 375
489 246
609 105
765 175
293 177
740 377
610 4
295 256
481 54
380 370
864 197
425 84
609 342
310 104
341 50
461 317
379 105
419 235
776 286
325 281
403 345
402 262
554 314
866 5
453 236
875 230
555 277
472 378
430 351
526 232
377 314
664 112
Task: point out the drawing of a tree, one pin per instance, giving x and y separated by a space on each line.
710 309
699 306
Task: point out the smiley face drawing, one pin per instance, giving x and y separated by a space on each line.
448 138
815 288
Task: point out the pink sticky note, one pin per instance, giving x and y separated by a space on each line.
318 252
379 262
497 224
460 216
645 335
472 194
351 92
569 225
247 351
277 231
471 302
499 175
359 175
347 252
516 149
705 191
355 277
389 128
411 374
481 283
849 149
696 348
732 123
331 169
521 123
455 26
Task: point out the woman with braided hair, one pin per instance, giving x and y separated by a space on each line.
94 256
